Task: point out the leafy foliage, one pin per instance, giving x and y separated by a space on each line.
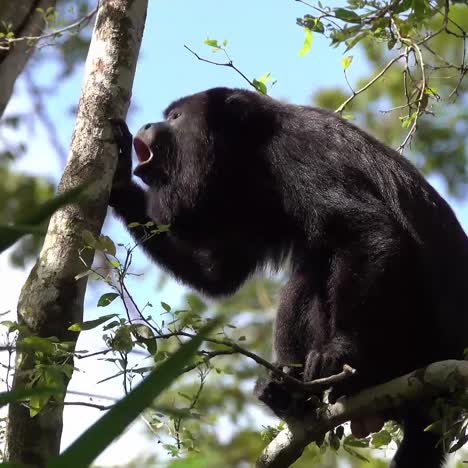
418 96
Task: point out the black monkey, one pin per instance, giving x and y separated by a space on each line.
379 262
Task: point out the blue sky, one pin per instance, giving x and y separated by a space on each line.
263 37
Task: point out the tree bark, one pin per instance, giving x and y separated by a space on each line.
52 299
24 20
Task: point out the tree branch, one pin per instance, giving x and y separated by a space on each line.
289 444
25 19
6 42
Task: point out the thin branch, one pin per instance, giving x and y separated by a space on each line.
91 395
76 25
370 83
324 382
85 403
238 349
207 355
228 64
422 91
312 386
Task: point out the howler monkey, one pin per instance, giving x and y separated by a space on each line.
378 261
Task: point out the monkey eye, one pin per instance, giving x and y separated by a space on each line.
174 116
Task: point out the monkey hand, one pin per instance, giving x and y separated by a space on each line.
283 399
123 172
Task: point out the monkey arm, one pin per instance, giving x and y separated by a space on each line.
215 270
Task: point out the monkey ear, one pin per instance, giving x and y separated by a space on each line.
243 102
252 113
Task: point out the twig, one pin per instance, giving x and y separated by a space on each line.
85 403
369 83
311 386
207 355
228 64
325 382
287 378
76 25
422 92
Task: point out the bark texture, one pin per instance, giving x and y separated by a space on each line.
51 299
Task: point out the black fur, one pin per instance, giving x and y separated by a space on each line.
378 259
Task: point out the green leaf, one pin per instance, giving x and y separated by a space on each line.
407 120
8 235
37 402
10 325
165 306
420 7
266 78
346 62
381 439
347 15
356 39
101 434
122 340
106 299
355 454
260 87
88 238
197 306
24 394
106 244
151 345
401 6
145 336
162 228
141 330
212 43
90 324
36 344
114 323
307 42
55 376
114 262
351 441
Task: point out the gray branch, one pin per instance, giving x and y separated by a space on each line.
25 20
288 445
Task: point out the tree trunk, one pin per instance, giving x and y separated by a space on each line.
25 21
51 299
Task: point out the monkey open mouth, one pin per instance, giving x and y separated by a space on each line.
143 151
145 156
